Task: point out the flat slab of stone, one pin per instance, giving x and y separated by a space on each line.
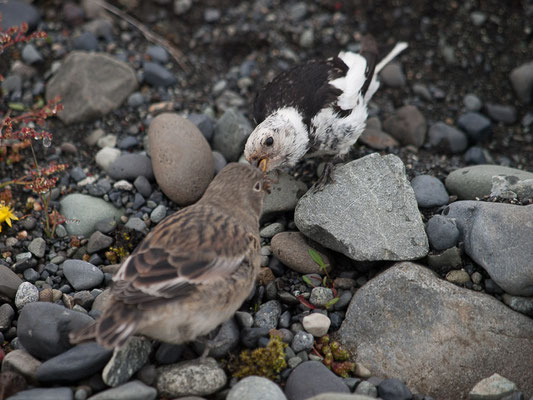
90 85
410 324
476 181
368 213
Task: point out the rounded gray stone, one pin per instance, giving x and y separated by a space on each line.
231 132
134 390
312 378
302 341
37 247
126 361
429 191
130 166
82 275
268 315
84 212
9 282
442 232
447 138
284 194
255 388
190 378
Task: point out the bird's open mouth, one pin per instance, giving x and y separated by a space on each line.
262 165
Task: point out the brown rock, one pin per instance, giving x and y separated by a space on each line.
408 125
46 295
181 158
11 383
292 249
9 282
377 139
265 276
21 362
410 324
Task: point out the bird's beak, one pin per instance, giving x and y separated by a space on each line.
262 165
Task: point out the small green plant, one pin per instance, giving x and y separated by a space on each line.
267 361
326 282
334 356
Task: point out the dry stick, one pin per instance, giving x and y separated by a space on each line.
148 34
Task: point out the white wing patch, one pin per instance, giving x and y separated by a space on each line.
352 83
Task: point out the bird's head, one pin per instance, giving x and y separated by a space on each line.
281 140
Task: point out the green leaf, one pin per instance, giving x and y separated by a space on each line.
316 257
16 106
307 280
332 302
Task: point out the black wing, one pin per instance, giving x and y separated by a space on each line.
305 87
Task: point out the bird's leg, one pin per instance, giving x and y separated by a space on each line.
325 178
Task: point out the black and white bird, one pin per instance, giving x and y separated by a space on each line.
318 108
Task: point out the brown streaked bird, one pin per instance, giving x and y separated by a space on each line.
193 270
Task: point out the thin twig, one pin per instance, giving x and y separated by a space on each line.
147 33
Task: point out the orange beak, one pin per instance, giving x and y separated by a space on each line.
263 165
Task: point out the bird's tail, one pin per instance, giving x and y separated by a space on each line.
84 334
400 46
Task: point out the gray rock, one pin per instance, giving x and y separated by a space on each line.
27 293
498 236
136 224
307 38
182 6
90 85
458 276
340 396
476 181
157 75
134 390
442 232
219 160
367 389
320 296
447 138
393 389
190 378
85 212
472 102
492 388
98 241
86 41
476 126
272 230
58 393
284 194
82 275
126 361
429 191
268 315
204 123
448 259
157 53
169 353
158 213
106 156
181 158
43 328
15 13
501 113
522 80
392 75
383 222
225 340
21 362
136 99
523 305
31 55
300 386
78 363
509 187
255 388
9 282
129 166
231 132
408 126
6 315
143 186
302 341
384 313
477 155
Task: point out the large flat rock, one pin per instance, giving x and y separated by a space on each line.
368 213
437 337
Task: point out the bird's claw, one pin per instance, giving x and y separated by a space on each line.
327 177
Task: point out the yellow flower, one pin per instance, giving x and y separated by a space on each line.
6 215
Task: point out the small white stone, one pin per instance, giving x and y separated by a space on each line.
107 141
123 185
26 293
316 324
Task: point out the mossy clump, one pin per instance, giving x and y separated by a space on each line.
335 357
266 361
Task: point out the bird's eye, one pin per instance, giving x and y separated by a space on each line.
269 141
257 186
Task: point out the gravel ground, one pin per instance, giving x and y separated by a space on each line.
422 203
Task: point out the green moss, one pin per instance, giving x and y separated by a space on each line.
266 361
